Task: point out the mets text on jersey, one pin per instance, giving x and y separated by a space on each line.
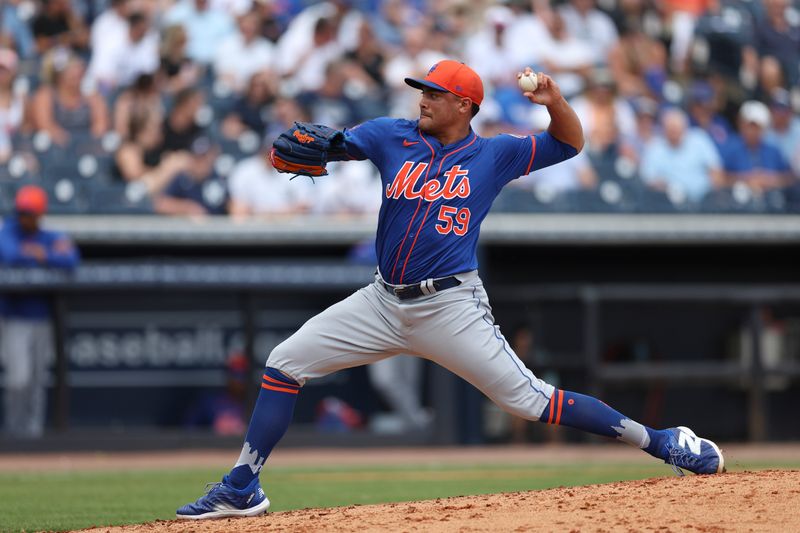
456 183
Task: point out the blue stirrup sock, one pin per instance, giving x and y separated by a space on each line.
271 417
590 414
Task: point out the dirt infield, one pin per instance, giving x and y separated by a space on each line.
744 501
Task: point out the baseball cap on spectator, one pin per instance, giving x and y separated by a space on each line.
201 146
8 59
453 77
755 112
701 92
31 199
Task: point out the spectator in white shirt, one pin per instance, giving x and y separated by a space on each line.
573 174
595 28
576 173
301 36
243 54
119 63
111 25
205 26
489 51
525 49
352 188
567 58
308 72
413 61
257 190
234 8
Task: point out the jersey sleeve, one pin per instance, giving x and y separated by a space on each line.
61 252
517 156
366 141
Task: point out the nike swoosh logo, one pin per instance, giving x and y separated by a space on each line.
409 143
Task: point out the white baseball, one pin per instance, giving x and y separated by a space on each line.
528 82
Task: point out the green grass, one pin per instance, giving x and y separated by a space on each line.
71 500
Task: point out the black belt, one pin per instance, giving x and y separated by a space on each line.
422 288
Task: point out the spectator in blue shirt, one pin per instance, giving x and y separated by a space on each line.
749 158
198 191
205 26
703 112
14 24
784 131
26 345
683 160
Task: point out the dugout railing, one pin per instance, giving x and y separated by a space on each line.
600 374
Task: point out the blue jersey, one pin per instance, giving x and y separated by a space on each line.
15 252
435 197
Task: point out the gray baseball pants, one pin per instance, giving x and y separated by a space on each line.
26 351
453 328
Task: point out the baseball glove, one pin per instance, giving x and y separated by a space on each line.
306 148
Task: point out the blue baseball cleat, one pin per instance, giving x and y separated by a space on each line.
685 450
222 500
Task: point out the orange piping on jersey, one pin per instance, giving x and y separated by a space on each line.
419 203
422 224
533 152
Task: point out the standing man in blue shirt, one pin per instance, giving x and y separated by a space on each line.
26 344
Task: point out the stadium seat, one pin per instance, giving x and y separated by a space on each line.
517 200
66 197
649 200
16 170
791 196
83 143
594 201
247 144
736 199
221 99
776 201
119 199
7 192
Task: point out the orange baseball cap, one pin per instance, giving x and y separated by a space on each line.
31 199
454 77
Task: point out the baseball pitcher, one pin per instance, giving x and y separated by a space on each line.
439 181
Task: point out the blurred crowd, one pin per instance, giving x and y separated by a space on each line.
169 106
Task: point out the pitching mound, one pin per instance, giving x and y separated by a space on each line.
745 501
